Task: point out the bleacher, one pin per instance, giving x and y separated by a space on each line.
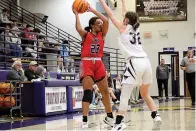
53 38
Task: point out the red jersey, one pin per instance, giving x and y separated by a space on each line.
93 45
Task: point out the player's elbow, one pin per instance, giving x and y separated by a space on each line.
106 21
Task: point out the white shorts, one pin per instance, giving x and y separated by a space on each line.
138 71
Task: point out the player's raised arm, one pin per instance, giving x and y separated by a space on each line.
114 20
78 25
124 9
103 18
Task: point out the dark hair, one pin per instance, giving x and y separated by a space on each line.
5 10
91 22
41 37
36 30
133 19
27 26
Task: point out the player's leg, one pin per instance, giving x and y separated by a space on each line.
86 77
128 83
125 95
144 91
102 83
103 88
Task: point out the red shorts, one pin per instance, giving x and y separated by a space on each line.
94 69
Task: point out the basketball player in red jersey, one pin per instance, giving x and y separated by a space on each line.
92 69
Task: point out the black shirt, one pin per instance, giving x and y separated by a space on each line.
30 75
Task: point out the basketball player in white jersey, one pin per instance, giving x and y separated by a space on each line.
138 69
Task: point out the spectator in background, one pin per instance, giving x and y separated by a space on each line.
16 72
117 82
117 86
68 61
110 82
7 39
41 43
15 28
188 65
162 75
30 72
60 65
15 38
16 50
4 18
29 41
40 71
111 88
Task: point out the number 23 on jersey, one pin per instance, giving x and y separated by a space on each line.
95 48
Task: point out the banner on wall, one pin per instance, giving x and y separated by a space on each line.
191 48
55 98
77 94
161 10
168 49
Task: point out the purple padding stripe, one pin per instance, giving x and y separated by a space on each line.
69 99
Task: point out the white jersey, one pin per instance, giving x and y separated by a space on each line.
130 43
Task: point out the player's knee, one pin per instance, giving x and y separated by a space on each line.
88 95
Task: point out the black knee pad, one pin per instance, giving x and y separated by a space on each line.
88 95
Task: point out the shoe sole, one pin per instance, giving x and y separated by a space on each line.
111 126
123 127
158 125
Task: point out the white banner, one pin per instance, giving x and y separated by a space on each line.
55 99
77 94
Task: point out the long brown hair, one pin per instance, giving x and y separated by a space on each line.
133 19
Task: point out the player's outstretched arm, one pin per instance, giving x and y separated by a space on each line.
124 9
114 20
78 25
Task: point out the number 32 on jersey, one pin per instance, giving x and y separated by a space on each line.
135 38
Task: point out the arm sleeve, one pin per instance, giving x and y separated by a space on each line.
29 75
167 72
1 18
183 63
13 76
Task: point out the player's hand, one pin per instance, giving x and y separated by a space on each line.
74 11
90 9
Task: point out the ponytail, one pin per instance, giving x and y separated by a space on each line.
136 25
88 29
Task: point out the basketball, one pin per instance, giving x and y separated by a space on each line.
5 88
80 6
6 102
1 101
